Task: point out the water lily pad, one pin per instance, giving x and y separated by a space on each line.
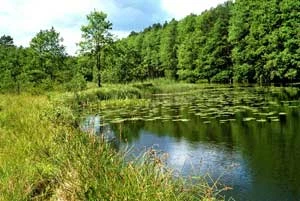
293 106
117 121
150 119
201 114
135 119
249 119
223 121
261 120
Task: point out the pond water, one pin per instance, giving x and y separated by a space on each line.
248 137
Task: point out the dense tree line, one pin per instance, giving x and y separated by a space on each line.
266 38
245 41
41 66
192 49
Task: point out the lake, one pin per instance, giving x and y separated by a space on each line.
245 137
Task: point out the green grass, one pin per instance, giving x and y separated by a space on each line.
131 91
27 147
44 157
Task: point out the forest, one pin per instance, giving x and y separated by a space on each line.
246 41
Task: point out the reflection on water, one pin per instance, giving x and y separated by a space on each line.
247 135
92 125
197 158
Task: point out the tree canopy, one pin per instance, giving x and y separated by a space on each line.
242 41
95 37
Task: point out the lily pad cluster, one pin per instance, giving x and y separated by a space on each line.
210 104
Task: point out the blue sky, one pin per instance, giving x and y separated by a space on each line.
22 19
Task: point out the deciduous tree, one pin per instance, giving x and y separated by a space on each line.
95 36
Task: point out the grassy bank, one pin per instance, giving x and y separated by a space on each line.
136 90
44 157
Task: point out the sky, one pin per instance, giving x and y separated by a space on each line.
23 19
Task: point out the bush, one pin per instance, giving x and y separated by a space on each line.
188 75
222 77
110 76
77 83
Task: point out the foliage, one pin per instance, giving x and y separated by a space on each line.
39 67
244 41
6 40
265 38
95 37
49 52
240 41
77 83
168 49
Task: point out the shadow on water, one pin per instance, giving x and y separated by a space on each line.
247 135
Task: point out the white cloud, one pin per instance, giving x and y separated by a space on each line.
23 19
179 8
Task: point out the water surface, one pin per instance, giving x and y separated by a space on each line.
247 136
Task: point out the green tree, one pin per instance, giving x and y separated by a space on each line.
239 30
214 55
7 69
48 52
168 49
13 63
135 45
85 66
281 60
187 56
95 36
187 49
150 51
6 40
265 36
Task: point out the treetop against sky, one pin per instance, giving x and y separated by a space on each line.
22 19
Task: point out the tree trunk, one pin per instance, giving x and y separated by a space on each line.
98 64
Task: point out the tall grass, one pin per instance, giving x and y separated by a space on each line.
27 148
43 157
135 90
